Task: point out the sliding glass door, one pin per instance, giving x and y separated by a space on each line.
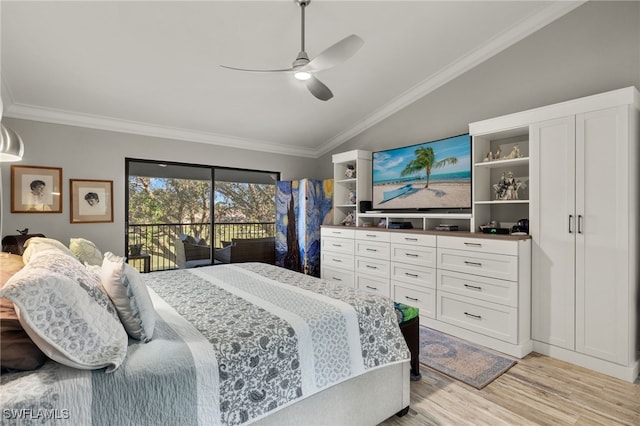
170 207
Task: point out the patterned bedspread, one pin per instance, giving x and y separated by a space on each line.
232 344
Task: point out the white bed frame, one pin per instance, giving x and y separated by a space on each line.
365 400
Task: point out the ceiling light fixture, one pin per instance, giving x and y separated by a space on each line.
302 75
11 146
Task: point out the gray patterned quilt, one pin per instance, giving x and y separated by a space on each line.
232 344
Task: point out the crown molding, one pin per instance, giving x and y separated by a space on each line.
514 34
55 116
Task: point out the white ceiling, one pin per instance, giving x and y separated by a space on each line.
152 67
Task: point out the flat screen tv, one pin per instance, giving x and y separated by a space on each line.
432 175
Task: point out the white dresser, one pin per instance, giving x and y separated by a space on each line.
336 255
474 286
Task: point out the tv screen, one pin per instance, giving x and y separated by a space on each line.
430 175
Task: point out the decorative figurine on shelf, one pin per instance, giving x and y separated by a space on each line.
500 188
349 219
352 197
497 154
515 153
382 223
507 188
489 157
350 173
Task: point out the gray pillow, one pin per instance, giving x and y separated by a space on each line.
66 312
130 297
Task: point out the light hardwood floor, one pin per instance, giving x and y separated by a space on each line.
537 391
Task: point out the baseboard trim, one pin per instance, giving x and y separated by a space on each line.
626 373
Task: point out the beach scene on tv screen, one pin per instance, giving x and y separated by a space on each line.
424 176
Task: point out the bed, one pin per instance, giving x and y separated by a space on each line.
246 343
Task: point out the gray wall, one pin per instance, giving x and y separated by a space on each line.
95 154
593 49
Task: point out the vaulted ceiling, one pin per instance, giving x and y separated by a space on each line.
153 67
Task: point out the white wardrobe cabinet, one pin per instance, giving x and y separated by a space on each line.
583 222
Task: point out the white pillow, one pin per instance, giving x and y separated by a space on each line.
130 296
86 251
64 309
37 244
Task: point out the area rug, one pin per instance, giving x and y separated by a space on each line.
460 360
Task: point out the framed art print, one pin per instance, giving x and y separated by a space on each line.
91 200
36 189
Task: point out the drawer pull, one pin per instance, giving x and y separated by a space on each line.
473 316
337 260
411 275
411 298
370 249
473 244
410 239
371 235
478 264
411 254
336 245
372 267
473 287
336 279
336 232
371 288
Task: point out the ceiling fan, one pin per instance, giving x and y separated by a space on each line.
304 68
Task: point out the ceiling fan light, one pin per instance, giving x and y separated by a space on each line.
302 75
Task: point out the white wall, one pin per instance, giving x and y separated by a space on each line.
95 154
593 49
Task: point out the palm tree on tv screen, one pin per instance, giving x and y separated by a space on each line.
426 159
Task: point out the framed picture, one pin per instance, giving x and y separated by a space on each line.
91 200
36 189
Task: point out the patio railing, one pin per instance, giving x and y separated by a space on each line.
158 240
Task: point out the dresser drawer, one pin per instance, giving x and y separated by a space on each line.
414 255
414 239
337 260
372 235
424 300
368 266
339 276
485 264
337 232
373 284
490 319
338 245
481 245
417 275
373 249
483 288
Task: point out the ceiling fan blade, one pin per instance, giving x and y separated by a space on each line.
318 89
248 70
339 52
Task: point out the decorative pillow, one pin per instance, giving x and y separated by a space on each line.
85 251
130 296
37 244
64 309
17 350
223 255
